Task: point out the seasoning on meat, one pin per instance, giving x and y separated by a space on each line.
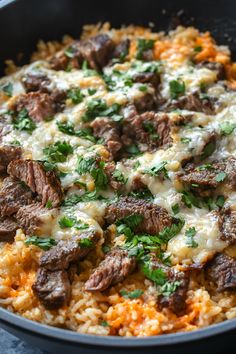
227 225
67 251
116 266
222 271
154 217
8 227
13 195
52 288
44 183
8 153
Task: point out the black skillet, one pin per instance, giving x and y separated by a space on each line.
22 23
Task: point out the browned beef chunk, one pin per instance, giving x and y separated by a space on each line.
8 153
192 102
95 50
108 130
175 301
221 74
146 102
147 78
44 183
109 169
149 130
52 288
116 266
58 97
222 271
227 224
122 49
154 217
8 227
67 251
36 82
34 219
205 176
39 105
13 195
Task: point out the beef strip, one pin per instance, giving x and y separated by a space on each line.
147 78
13 195
191 102
206 177
116 266
121 50
146 102
8 153
155 218
8 227
227 225
95 50
36 82
222 271
67 251
45 183
149 130
176 300
108 130
52 288
34 219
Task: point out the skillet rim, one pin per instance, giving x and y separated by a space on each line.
32 327
66 335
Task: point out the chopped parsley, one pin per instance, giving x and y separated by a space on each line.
131 221
95 168
44 243
143 88
58 152
85 242
158 276
175 208
227 128
158 170
185 140
24 122
86 197
75 95
189 199
48 205
70 52
143 193
69 129
142 46
118 175
177 88
149 128
87 71
67 222
98 108
190 233
132 150
198 49
169 288
7 89
131 295
220 176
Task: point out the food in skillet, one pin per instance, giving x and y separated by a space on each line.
118 181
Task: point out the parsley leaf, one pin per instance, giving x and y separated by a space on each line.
190 233
143 193
58 152
142 46
118 175
85 242
69 129
24 122
44 243
227 128
158 170
48 205
67 222
185 140
189 199
86 197
131 295
132 149
177 88
98 108
175 208
158 276
131 221
220 176
169 288
75 95
198 49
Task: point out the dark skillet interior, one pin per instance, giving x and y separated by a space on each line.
22 23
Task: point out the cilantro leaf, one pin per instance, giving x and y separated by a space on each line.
118 175
190 233
175 208
69 129
220 176
75 95
177 88
169 288
24 122
227 128
85 242
44 243
86 197
158 170
58 152
131 295
158 276
142 46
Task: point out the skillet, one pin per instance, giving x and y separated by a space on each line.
22 23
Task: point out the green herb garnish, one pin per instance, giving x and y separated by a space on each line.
58 152
44 243
24 122
131 295
142 46
190 233
177 88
